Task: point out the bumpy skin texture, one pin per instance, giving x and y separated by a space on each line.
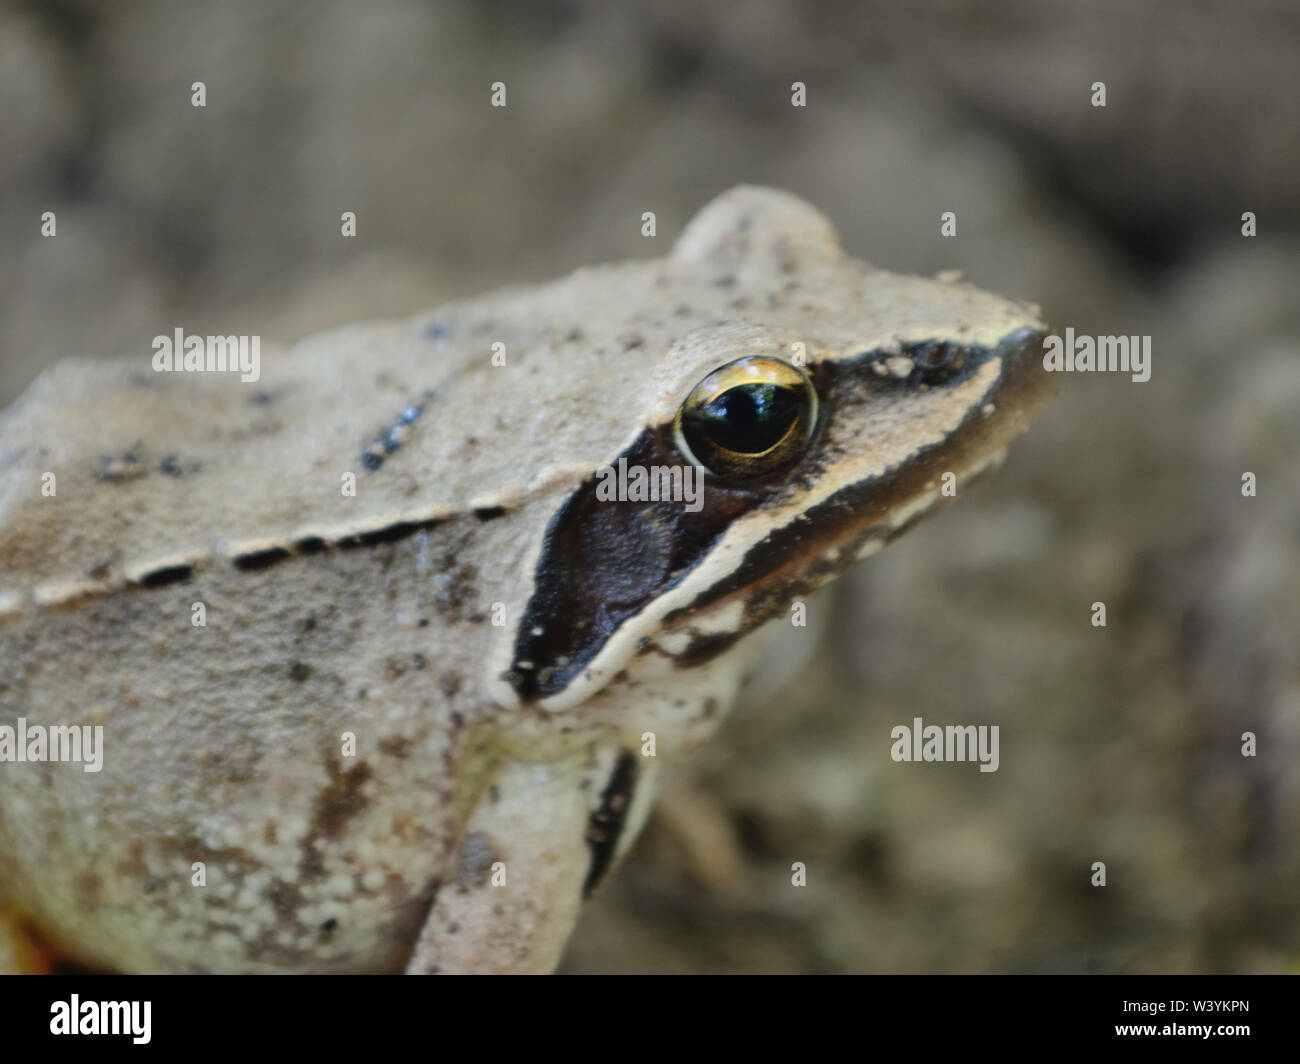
461 833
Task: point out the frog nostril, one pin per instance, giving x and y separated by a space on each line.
921 362
939 356
938 360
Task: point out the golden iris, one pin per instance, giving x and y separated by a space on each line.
748 418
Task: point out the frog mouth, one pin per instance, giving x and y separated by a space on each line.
791 566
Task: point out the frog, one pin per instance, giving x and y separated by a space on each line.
384 679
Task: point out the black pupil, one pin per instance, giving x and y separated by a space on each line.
749 418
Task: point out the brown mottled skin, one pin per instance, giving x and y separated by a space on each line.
331 774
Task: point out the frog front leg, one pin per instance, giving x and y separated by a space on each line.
541 838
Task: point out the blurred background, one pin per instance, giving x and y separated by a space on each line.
1120 744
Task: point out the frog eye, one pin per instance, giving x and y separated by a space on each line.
748 418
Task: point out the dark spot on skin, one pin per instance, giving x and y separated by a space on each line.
449 684
399 530
574 336
488 513
474 862
435 330
170 574
298 672
455 586
710 707
340 801
391 439
260 559
260 398
453 927
285 898
632 342
309 622
398 746
133 864
328 928
225 765
168 467
120 470
419 661
725 282
704 648
90 888
423 622
271 835
606 823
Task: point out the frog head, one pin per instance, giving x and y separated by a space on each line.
822 408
